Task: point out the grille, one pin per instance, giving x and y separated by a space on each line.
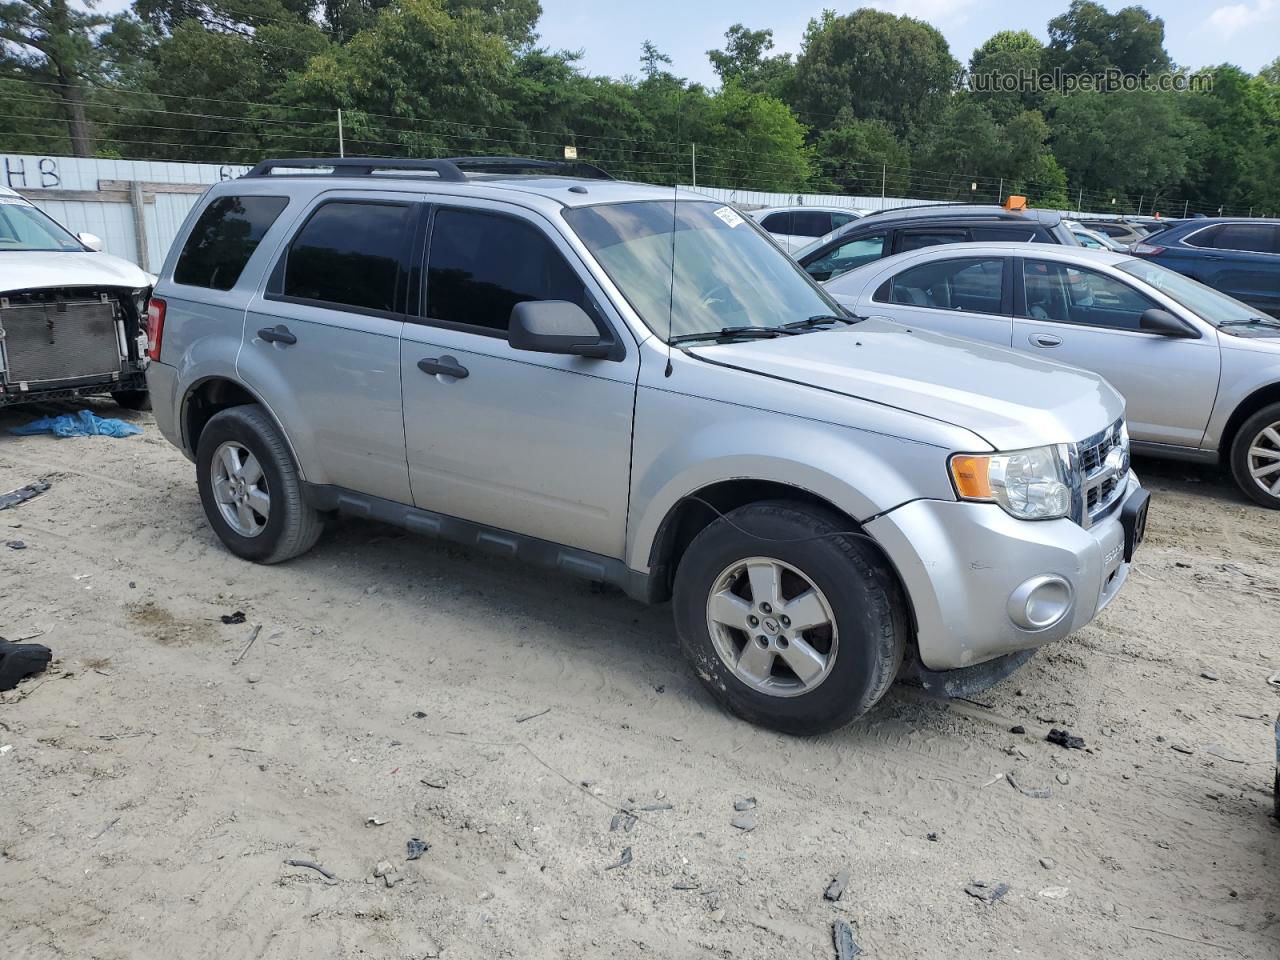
1101 473
64 340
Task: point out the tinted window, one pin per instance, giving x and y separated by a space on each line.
777 223
810 223
1252 237
1068 294
971 284
1111 229
1014 233
845 256
838 220
481 265
916 239
350 253
223 240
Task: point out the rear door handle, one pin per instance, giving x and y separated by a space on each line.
445 366
278 334
1044 340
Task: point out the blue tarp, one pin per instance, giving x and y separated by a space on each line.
83 424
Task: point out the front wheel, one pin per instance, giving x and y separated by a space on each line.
1255 457
790 619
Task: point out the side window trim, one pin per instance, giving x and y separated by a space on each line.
274 289
607 327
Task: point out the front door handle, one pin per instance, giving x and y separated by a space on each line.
278 334
444 366
1044 340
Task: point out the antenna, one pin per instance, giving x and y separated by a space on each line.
671 294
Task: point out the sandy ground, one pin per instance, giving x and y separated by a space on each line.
155 787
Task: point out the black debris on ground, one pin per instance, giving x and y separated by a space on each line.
415 848
1064 739
1018 728
986 892
233 618
23 494
19 660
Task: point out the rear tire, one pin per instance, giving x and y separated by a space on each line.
251 489
1251 452
132 399
775 671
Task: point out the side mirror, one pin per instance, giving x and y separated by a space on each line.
90 240
1166 324
556 326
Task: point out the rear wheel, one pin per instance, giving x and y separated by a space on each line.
251 489
132 399
789 623
1255 457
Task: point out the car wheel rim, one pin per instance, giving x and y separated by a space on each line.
240 489
772 626
1264 459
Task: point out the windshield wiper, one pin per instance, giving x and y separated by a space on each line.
729 333
819 320
1252 322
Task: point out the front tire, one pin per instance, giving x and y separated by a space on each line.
251 489
1255 457
788 622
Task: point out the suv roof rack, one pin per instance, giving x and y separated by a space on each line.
453 169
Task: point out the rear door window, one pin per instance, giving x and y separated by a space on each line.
1248 237
480 265
1063 293
810 223
777 223
1011 233
968 284
916 239
845 256
351 253
224 238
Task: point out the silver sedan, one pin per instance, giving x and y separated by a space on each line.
1200 372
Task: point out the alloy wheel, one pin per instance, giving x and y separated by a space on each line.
1264 459
240 489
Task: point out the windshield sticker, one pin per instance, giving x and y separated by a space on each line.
729 216
16 201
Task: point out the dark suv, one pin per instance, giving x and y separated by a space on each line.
1240 257
910 228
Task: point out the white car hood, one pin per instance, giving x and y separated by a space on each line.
1010 400
27 270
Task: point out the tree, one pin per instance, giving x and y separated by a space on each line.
751 140
62 47
1088 39
1009 54
743 61
881 67
863 157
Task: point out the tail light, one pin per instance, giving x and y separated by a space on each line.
155 327
1146 250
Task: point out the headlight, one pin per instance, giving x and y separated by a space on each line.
1028 484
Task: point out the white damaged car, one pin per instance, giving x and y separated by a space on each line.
72 319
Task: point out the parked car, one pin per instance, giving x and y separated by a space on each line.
70 316
910 228
1240 257
794 227
1092 239
542 366
1123 232
1200 371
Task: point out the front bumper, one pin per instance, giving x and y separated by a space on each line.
12 394
962 562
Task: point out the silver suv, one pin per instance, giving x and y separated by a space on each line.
638 387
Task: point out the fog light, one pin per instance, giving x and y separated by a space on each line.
1040 602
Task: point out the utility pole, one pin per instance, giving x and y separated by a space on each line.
342 152
884 176
1000 192
1186 205
1080 201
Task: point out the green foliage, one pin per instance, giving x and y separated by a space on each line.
743 61
1010 53
1088 39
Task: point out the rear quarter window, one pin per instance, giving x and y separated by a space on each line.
224 238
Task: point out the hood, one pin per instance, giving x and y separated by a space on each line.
1009 399
31 269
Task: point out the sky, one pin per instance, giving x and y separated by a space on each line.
1197 32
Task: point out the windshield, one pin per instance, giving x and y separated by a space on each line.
23 227
1205 302
727 272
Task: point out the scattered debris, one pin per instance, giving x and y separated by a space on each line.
16 544
23 494
835 889
1048 863
1017 728
6 748
105 829
743 805
415 848
931 836
655 807
622 861
19 660
85 423
1274 679
252 637
842 939
434 784
232 618
1222 753
685 885
1038 793
388 872
1209 675
419 715
1181 748
986 892
746 822
533 715
1063 778
1064 739
375 822
312 865
1053 893
623 821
